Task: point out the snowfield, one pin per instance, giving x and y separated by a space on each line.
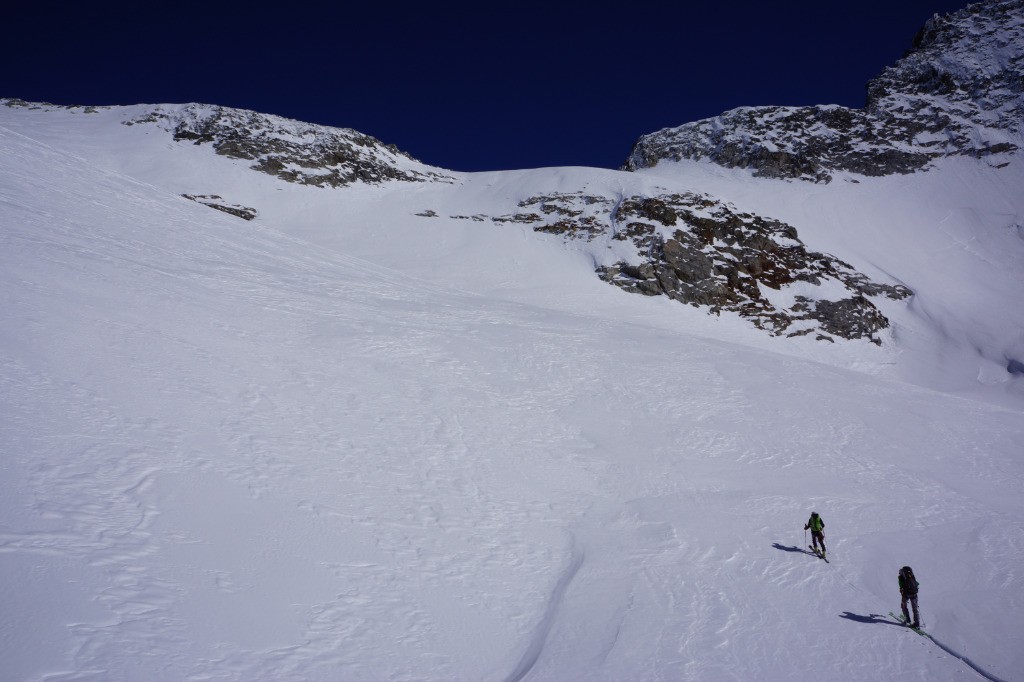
347 442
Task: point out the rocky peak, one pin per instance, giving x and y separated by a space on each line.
958 91
971 62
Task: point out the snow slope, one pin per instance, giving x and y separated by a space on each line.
344 441
954 235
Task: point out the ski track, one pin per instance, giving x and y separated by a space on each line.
968 662
540 634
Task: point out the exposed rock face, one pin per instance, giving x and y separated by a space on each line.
958 91
23 104
702 252
297 152
711 255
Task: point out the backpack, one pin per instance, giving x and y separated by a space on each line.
908 583
816 523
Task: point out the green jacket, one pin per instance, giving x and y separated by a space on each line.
815 523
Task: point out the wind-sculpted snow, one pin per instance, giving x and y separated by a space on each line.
353 426
959 91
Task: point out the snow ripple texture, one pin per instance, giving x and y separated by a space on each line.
230 453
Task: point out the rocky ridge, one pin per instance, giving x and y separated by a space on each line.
958 91
297 152
293 151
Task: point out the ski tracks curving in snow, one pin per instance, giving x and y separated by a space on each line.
540 634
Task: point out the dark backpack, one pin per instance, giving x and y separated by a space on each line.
908 583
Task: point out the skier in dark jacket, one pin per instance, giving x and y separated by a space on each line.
817 526
908 592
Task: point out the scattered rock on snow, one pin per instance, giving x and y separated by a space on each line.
217 202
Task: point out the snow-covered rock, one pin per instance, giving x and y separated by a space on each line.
291 150
701 251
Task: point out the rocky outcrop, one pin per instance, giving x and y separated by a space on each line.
293 151
958 91
215 201
703 252
15 102
297 152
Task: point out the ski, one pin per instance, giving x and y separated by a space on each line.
818 554
903 621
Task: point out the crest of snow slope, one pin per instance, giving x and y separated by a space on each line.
958 92
230 453
962 332
302 153
693 249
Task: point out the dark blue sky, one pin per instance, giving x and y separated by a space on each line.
466 87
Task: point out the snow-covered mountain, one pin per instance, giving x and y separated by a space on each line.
280 402
694 248
958 92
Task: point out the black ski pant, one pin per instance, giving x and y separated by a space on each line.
912 598
816 537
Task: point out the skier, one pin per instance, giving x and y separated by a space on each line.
817 526
908 592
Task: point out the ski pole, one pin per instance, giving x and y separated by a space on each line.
805 538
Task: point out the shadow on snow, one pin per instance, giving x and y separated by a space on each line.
793 549
878 618
872 618
883 620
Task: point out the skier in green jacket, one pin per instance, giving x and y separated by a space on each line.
817 526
